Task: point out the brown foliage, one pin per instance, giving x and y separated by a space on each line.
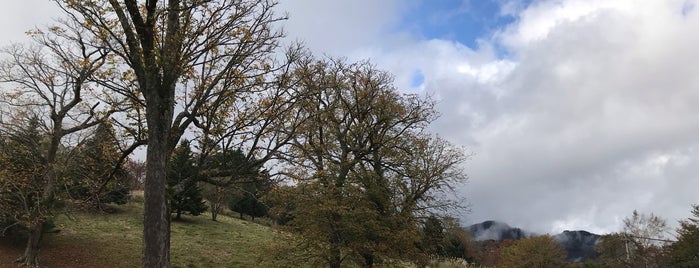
538 251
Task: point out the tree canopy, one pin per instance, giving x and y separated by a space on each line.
361 158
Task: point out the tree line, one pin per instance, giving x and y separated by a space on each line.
645 241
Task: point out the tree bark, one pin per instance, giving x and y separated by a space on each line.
368 260
36 231
335 257
31 252
156 222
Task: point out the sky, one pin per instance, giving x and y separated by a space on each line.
576 112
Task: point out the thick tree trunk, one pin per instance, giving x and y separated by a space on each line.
36 231
368 260
31 252
335 260
156 222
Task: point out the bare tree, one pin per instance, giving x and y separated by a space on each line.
50 81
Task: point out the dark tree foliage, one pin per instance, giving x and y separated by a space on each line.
433 236
247 203
685 252
282 202
183 192
95 175
235 181
457 241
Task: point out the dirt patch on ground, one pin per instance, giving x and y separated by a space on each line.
51 256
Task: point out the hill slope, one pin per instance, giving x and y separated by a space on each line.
114 240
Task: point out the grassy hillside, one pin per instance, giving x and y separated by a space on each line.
114 240
88 240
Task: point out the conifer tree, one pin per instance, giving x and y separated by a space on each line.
183 192
685 252
95 173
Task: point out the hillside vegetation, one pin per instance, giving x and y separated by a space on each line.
114 240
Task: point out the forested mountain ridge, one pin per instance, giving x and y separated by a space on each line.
579 245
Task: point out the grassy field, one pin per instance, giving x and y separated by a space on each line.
114 240
89 240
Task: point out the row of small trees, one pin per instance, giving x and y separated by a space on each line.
188 191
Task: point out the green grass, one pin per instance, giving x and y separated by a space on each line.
114 240
195 241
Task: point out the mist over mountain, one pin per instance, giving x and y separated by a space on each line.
493 230
579 245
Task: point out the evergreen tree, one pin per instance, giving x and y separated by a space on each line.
433 236
246 202
95 174
685 252
237 182
183 192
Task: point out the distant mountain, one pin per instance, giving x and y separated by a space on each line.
579 245
493 230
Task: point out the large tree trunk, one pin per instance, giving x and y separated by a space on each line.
335 260
368 260
156 222
36 231
31 252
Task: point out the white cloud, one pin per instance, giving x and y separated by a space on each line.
338 27
19 17
587 121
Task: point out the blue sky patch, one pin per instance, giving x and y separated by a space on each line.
687 7
464 21
417 79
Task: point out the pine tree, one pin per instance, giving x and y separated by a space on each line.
183 192
238 183
95 174
685 252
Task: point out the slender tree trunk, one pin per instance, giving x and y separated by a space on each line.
214 213
335 256
31 252
156 222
